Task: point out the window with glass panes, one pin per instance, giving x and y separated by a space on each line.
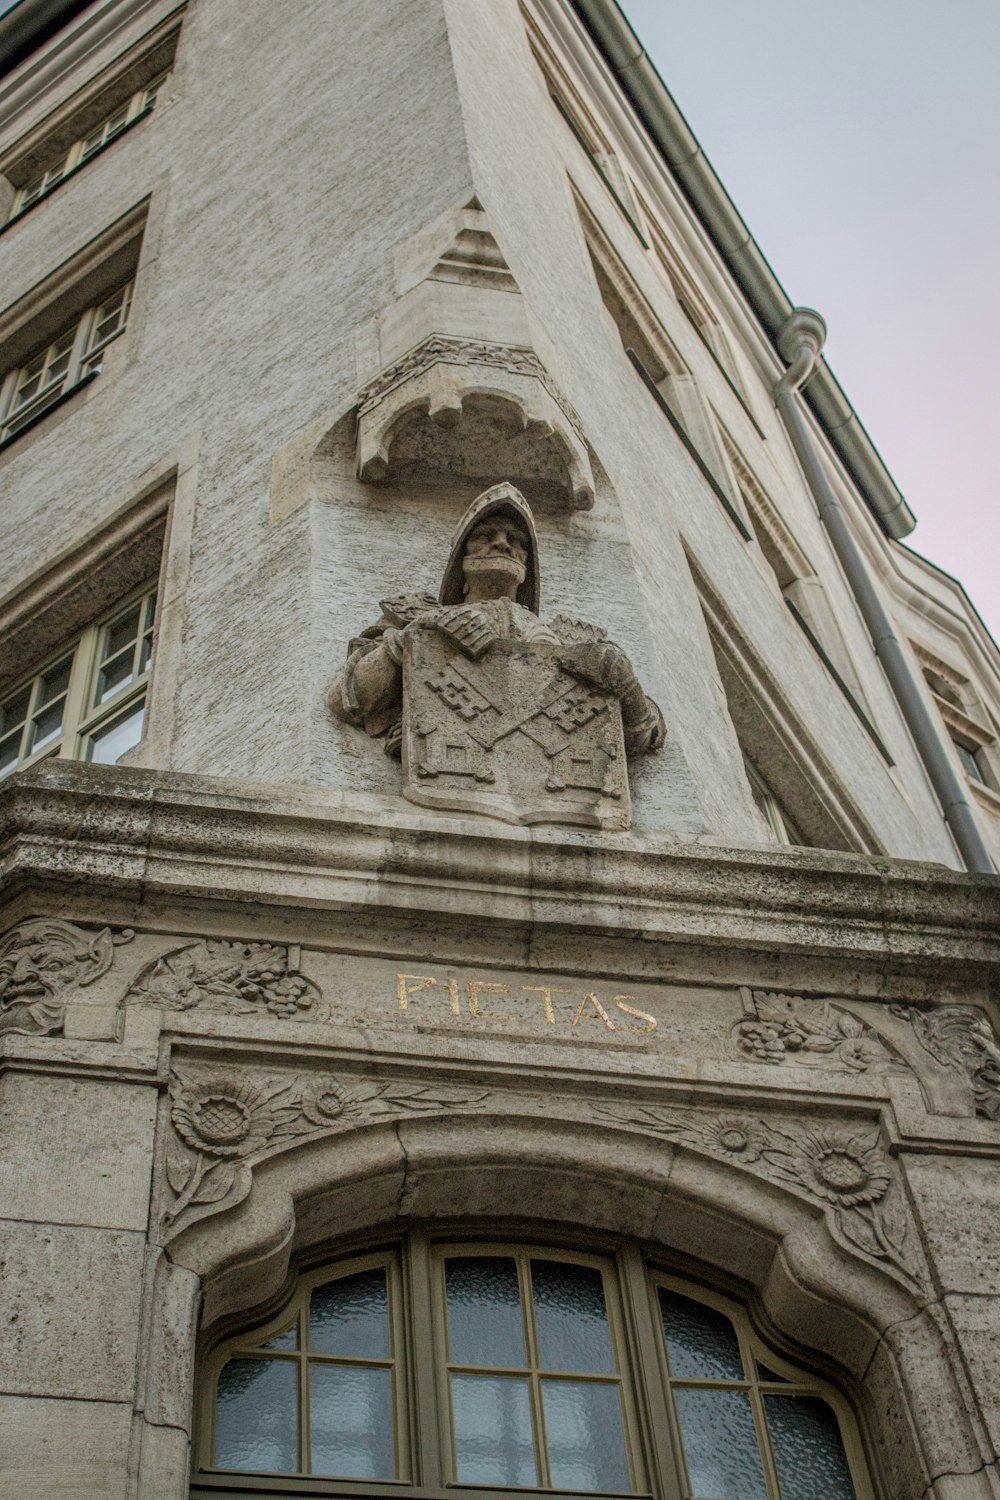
89 702
782 829
504 1368
86 146
73 355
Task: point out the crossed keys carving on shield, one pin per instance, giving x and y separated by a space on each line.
551 725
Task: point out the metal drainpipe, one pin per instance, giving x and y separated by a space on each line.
800 341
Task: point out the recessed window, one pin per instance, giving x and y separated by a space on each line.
967 721
781 827
73 356
970 761
506 1368
89 702
88 145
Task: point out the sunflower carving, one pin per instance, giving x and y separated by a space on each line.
844 1171
224 1123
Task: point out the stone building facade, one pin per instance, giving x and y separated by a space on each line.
611 921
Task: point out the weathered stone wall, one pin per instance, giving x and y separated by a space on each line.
504 1045
660 1033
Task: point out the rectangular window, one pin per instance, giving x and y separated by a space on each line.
73 356
88 703
86 146
970 762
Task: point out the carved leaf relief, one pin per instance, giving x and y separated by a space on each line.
781 1028
240 979
224 1123
846 1172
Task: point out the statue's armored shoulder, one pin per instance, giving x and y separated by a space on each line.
572 632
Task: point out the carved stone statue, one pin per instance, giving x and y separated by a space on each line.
491 710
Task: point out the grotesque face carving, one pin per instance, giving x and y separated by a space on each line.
496 558
40 962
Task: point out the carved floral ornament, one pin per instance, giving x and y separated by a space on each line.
240 979
845 1171
225 1123
779 1028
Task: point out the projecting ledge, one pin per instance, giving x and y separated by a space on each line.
457 409
140 838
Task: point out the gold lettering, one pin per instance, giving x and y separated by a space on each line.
599 1012
546 992
631 1011
404 990
479 987
453 1002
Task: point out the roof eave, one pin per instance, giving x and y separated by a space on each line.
679 146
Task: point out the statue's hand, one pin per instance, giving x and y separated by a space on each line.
466 627
601 665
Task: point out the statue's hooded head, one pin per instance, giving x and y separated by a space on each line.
501 503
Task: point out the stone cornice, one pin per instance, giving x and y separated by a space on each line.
145 839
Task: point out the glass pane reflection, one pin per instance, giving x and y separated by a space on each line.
808 1451
351 1316
485 1326
350 1421
701 1343
493 1440
108 745
720 1445
256 1417
571 1318
584 1435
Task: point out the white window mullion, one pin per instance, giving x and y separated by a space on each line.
6 395
76 695
80 342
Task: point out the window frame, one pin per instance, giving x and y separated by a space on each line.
85 358
632 1276
771 810
82 718
136 106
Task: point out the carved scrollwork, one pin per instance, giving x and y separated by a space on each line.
961 1037
785 1028
240 979
42 962
846 1172
224 1123
460 351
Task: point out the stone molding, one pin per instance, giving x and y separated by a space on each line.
440 374
225 1121
130 834
455 351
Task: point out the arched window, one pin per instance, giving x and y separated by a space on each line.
494 1368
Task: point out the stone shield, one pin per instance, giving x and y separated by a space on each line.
510 735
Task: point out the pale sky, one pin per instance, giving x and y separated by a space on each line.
861 144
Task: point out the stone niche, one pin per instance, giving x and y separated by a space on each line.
455 393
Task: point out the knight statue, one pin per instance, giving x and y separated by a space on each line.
491 710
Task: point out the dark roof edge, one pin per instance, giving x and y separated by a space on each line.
30 23
670 131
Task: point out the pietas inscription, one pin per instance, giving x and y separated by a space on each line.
491 1001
